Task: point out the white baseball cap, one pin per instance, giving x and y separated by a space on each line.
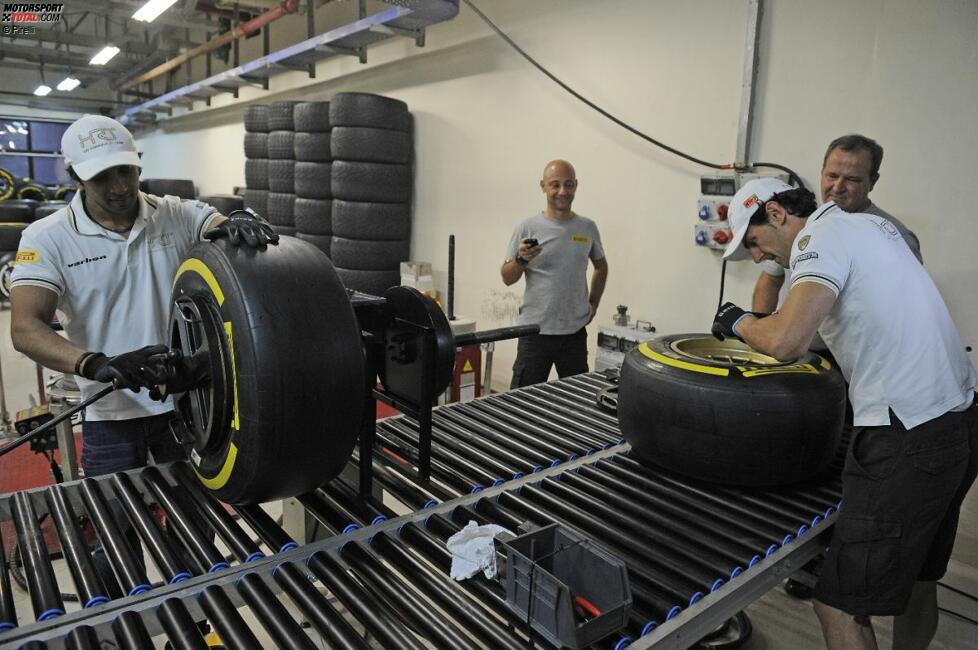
743 205
94 143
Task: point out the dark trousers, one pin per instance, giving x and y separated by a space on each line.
536 354
110 446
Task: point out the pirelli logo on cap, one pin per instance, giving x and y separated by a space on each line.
28 256
580 239
751 201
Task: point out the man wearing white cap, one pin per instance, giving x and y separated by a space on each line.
914 449
105 264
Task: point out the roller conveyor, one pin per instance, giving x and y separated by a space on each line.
696 553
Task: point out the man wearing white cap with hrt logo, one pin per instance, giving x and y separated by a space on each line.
105 264
914 449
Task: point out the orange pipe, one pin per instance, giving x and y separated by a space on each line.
287 7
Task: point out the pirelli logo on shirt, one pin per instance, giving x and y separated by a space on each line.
28 256
580 239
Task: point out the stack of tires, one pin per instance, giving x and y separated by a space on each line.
371 144
313 202
281 167
15 215
256 159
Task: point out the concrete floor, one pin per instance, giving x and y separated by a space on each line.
780 622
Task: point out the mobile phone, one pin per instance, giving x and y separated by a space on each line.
531 242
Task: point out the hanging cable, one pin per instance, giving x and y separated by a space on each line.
795 178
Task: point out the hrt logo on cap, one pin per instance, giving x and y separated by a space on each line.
105 134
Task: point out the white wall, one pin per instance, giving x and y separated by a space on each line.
486 122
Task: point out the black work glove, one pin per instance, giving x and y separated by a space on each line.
244 225
183 373
132 370
726 319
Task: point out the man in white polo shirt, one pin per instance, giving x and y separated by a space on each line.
914 450
105 264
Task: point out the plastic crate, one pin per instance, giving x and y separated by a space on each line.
546 568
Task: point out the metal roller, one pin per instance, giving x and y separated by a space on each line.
579 405
184 522
495 462
166 559
514 443
333 521
269 532
527 434
127 568
518 465
130 632
88 585
374 615
222 614
8 613
351 517
571 428
41 582
276 620
82 637
603 428
545 432
444 467
368 508
315 606
179 626
410 495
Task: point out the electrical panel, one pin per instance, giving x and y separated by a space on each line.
712 229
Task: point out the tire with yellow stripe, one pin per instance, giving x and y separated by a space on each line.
723 413
282 412
8 185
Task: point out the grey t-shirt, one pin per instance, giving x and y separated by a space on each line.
556 295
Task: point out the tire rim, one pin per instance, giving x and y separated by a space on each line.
5 272
197 328
729 352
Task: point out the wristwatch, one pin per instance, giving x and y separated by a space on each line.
521 261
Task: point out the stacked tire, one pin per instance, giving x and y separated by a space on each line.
256 159
281 167
15 215
371 181
313 202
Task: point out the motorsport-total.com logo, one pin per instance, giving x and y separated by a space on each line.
25 17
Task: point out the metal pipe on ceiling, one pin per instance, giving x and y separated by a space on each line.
287 7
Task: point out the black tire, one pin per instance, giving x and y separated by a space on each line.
366 109
284 435
8 184
6 268
280 116
364 255
311 117
256 119
322 242
256 174
312 180
17 212
185 189
739 423
364 144
281 145
379 221
256 145
10 235
225 203
257 200
372 282
312 147
371 182
65 192
313 216
28 190
281 209
48 208
288 231
281 176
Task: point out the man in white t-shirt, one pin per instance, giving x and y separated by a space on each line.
914 450
105 266
850 170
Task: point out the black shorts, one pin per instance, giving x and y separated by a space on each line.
902 492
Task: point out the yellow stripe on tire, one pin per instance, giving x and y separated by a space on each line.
685 365
221 479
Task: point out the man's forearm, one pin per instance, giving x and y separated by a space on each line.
45 346
511 271
765 299
598 279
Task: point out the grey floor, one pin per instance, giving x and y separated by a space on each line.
780 622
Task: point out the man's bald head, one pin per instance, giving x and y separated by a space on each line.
559 183
560 168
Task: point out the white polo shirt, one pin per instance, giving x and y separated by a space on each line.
889 329
113 290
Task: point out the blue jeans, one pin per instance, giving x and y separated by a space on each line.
110 446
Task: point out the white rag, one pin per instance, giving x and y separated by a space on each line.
472 550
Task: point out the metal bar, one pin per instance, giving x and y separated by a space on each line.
751 61
130 631
180 626
277 621
269 532
83 638
88 585
8 611
41 582
319 508
568 447
317 608
223 615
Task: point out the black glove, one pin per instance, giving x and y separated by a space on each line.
726 319
244 225
183 373
132 370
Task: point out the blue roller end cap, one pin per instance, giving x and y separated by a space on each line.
220 566
787 540
738 570
674 612
430 503
816 520
257 555
96 600
4 626
52 613
802 530
838 506
180 577
828 512
621 441
518 475
378 520
477 488
555 462
648 627
138 589
572 456
716 585
536 468
695 598
588 451
350 528
623 642
288 546
498 481
770 550
607 445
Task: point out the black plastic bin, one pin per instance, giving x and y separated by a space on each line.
547 568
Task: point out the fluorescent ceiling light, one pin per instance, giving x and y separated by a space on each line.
42 90
149 11
21 130
104 55
12 145
68 84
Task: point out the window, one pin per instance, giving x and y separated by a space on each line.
32 149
